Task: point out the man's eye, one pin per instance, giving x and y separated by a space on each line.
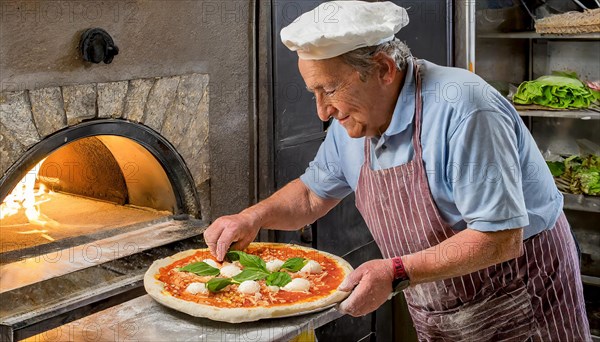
329 93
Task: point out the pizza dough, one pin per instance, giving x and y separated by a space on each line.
231 305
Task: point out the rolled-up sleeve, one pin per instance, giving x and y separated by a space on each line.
485 172
324 175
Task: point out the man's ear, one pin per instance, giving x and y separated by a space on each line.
386 67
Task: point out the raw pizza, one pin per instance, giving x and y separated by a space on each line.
266 280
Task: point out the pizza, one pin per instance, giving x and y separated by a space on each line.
266 280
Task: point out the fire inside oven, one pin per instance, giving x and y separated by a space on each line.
92 184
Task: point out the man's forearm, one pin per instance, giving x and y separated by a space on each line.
464 253
290 208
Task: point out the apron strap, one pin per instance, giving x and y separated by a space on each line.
418 111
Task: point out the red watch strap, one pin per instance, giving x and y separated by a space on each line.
399 271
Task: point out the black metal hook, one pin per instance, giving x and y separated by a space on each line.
97 46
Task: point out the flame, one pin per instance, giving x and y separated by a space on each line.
24 196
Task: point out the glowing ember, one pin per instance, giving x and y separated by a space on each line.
25 197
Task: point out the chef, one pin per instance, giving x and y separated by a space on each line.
448 179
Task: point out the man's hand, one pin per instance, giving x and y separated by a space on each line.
372 284
235 231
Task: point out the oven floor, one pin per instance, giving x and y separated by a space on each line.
64 216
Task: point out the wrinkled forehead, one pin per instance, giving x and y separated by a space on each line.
321 72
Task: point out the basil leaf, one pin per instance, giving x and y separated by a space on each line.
233 255
216 284
278 279
247 260
294 264
251 273
201 269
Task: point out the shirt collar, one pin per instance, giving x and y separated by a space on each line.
405 106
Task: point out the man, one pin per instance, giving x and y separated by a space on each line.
447 178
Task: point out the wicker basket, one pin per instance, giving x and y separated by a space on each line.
570 23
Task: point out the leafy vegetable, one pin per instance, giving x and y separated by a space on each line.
217 284
578 175
294 264
559 90
251 273
201 269
247 260
556 168
278 279
254 269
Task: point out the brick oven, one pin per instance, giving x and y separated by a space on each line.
107 167
95 177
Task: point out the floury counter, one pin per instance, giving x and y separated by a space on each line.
143 319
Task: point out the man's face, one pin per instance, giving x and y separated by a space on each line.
342 95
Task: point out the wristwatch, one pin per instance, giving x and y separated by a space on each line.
401 280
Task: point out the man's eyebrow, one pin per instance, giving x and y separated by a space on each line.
316 86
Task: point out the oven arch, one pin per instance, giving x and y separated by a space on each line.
173 165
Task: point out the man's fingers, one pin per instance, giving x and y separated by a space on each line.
211 236
240 245
348 306
351 281
357 303
222 248
212 247
225 231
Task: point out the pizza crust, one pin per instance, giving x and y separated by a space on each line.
155 289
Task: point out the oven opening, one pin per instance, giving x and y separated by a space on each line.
90 194
94 184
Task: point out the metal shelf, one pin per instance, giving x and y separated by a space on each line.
568 114
590 280
581 203
534 35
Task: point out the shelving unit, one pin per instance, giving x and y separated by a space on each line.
582 203
566 114
588 280
534 35
514 57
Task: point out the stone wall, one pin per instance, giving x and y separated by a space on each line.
38 49
176 107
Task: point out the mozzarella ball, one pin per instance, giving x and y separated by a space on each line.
274 265
211 262
230 271
311 267
273 288
297 285
249 287
195 288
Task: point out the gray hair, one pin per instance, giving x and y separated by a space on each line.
362 59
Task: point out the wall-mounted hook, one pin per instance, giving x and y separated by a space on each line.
97 46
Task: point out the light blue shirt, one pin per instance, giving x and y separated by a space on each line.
483 167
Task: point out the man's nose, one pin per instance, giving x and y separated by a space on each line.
324 109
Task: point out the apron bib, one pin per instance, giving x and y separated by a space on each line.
536 297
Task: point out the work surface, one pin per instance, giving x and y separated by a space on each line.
143 319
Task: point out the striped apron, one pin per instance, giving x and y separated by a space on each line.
535 297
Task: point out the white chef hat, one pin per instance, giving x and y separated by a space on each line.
336 27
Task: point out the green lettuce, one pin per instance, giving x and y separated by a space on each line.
561 90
